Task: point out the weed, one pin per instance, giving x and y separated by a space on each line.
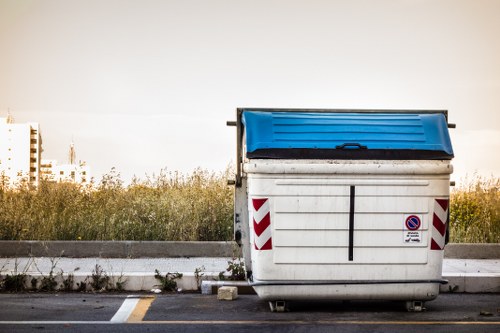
82 286
236 270
48 282
117 283
120 283
167 282
68 283
99 279
34 284
16 281
198 275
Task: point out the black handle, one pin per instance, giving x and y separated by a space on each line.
350 144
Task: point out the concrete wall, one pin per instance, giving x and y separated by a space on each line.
138 249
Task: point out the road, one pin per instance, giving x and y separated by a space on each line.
76 312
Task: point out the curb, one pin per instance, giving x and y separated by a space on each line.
458 283
117 249
472 251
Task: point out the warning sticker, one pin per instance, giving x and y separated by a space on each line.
411 232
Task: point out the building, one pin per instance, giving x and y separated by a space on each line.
78 173
20 152
71 173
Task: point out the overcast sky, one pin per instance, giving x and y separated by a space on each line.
142 85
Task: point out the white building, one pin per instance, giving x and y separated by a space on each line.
20 152
72 173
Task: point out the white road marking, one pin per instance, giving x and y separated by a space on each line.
257 322
125 310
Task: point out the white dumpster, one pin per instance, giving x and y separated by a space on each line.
334 204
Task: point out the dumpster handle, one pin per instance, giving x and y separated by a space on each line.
350 145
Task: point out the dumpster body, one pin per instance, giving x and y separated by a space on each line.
334 204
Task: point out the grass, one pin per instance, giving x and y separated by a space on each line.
475 211
167 206
186 207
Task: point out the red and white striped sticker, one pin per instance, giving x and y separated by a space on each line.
262 224
439 224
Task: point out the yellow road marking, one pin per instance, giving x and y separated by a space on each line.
140 309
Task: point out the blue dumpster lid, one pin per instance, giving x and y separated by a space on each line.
346 135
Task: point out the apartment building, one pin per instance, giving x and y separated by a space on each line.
20 152
78 173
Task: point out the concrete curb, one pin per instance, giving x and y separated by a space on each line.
157 249
117 249
472 251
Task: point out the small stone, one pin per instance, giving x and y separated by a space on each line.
227 293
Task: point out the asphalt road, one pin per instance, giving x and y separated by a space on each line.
204 313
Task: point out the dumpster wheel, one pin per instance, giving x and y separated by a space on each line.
415 306
278 306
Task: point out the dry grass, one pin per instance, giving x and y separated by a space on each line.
475 211
168 206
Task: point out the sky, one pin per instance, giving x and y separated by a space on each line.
146 85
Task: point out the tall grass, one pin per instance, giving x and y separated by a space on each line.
168 206
475 211
189 207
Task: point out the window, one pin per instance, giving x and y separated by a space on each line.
61 172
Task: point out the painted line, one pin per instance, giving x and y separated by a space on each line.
140 309
255 322
317 322
128 305
133 308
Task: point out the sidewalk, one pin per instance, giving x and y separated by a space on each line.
464 275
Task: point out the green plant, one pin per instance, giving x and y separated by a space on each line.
120 284
82 286
236 270
68 283
34 284
117 283
48 282
167 282
198 275
16 281
99 279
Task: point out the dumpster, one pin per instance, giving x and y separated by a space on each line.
343 204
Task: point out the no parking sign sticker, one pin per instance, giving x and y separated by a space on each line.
411 229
